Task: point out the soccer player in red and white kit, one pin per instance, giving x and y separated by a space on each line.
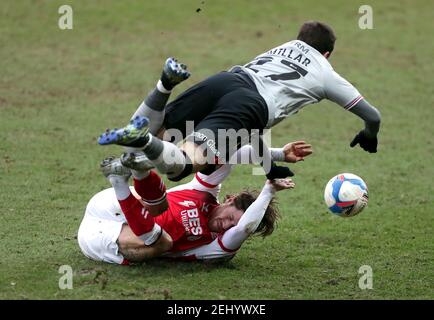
124 224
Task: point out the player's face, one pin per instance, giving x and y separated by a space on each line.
224 217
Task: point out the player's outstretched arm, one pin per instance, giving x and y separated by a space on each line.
367 138
342 92
272 171
234 237
226 245
291 152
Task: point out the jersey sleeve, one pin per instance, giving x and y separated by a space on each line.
208 183
233 238
214 251
212 183
247 155
340 91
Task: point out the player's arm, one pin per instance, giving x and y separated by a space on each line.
272 171
212 182
233 238
226 245
291 152
367 138
133 249
340 91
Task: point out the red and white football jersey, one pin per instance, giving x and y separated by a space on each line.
186 220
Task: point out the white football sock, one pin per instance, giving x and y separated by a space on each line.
153 107
166 157
120 184
156 117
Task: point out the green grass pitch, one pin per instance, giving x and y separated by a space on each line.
60 88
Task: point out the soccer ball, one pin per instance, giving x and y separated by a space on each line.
346 195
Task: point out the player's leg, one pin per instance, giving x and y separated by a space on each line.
230 125
191 106
133 249
216 137
153 105
101 225
147 184
134 239
195 104
140 221
194 155
165 156
113 241
105 236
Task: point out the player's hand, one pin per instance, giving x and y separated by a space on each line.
366 143
281 184
296 151
278 172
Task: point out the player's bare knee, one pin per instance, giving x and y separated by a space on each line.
196 154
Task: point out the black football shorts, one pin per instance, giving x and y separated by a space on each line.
214 111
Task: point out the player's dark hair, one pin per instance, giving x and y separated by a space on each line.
318 35
244 199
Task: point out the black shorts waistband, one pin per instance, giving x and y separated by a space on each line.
243 75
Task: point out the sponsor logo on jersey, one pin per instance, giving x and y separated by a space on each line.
191 221
187 203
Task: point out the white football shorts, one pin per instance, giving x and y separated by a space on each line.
101 227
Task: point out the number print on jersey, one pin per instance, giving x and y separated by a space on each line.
259 62
296 74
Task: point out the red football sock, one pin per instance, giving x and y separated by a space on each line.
151 189
138 218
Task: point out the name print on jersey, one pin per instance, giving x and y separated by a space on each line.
290 54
